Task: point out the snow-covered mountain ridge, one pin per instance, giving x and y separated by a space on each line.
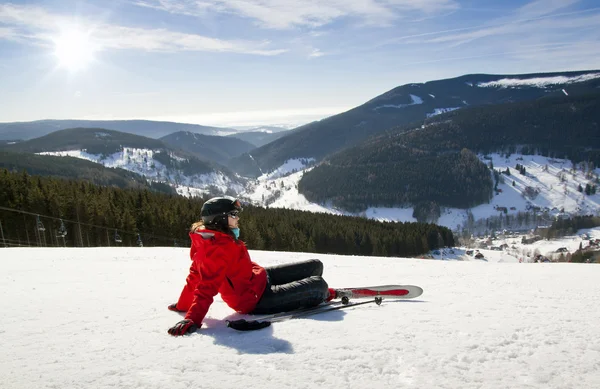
412 103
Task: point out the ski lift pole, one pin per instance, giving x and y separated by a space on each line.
2 233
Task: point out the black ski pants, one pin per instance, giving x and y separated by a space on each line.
292 286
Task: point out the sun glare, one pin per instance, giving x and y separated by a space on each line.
73 49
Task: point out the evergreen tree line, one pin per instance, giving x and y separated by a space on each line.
570 226
391 177
96 214
520 221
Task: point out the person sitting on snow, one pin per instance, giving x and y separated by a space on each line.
221 264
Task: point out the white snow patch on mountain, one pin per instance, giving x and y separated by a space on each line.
135 160
390 214
140 161
439 111
202 185
477 324
539 82
414 101
288 167
276 190
565 92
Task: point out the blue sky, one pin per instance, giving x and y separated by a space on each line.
247 62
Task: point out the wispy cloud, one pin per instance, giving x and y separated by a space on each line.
539 8
39 26
285 14
537 18
7 33
315 53
541 26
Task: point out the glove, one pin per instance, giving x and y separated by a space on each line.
183 327
173 307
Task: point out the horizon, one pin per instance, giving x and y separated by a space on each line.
231 63
246 125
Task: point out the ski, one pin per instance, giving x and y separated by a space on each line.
252 325
389 291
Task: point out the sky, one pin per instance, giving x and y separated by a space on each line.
256 62
97 317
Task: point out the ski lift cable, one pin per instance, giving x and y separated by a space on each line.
83 224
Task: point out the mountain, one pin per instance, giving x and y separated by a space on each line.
209 147
407 104
73 168
436 163
151 158
148 128
259 138
267 129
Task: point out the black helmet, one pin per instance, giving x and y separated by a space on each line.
214 211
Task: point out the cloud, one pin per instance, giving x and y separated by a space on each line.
315 53
286 14
539 8
523 28
537 19
7 33
38 26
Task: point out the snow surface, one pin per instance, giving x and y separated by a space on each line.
97 318
539 82
414 101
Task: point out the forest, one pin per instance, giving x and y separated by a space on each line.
48 211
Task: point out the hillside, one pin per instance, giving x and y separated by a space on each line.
407 104
72 168
431 164
147 157
93 140
148 128
548 190
259 138
208 147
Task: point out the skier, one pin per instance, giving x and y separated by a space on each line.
221 264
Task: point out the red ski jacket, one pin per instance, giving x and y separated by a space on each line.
220 264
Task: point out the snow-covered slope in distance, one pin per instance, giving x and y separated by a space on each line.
478 324
553 179
140 161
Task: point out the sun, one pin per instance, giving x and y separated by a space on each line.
73 49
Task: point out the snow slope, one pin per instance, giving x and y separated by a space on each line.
97 318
